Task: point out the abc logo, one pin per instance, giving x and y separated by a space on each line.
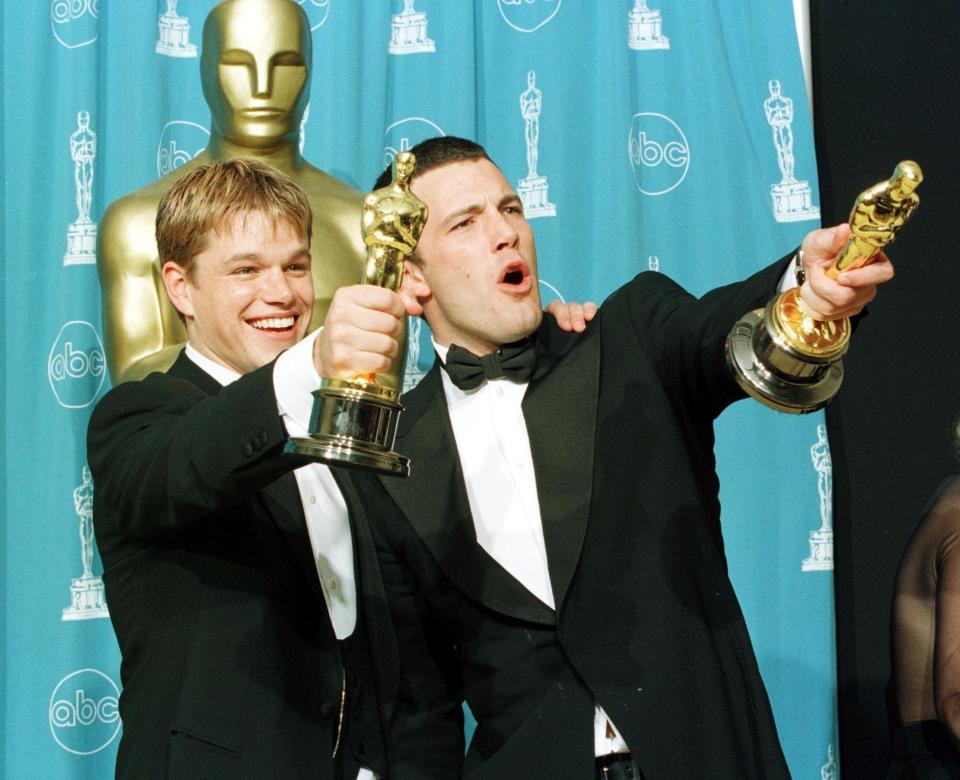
404 134
74 22
317 11
180 142
84 712
549 293
76 366
659 153
528 15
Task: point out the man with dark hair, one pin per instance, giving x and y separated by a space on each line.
555 557
241 593
436 152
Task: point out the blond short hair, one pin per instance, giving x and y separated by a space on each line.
212 196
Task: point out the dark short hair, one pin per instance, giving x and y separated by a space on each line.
435 152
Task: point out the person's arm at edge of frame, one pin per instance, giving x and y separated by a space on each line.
946 661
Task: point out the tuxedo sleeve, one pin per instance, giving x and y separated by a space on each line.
683 336
165 454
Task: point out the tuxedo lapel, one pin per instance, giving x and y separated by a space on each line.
434 501
371 604
282 505
184 368
560 409
279 501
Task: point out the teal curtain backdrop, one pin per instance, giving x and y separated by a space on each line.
664 134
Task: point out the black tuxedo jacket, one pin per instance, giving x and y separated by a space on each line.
230 666
620 421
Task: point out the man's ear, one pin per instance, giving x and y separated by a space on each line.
414 289
178 287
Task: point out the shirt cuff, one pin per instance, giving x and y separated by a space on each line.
792 277
294 379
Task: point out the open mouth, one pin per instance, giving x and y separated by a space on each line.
274 325
515 277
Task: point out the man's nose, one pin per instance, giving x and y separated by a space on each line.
276 287
504 233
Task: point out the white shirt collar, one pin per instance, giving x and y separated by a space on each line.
218 371
455 396
440 350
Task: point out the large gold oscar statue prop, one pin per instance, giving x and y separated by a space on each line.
354 421
255 72
790 361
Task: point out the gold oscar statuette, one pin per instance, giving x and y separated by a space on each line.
790 361
354 421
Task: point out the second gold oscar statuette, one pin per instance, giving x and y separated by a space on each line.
790 361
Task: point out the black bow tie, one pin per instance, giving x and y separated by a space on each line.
512 361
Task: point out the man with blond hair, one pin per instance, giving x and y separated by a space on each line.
237 576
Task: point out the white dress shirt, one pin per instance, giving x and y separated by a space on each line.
491 436
328 523
494 449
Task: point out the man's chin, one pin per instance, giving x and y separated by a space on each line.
524 329
535 320
269 351
265 358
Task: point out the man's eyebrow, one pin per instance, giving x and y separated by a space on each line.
303 253
241 257
470 208
510 199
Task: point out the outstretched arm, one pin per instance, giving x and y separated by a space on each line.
164 442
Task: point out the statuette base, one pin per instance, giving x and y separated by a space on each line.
533 195
645 31
799 333
793 202
776 376
175 37
81 244
821 552
409 35
354 424
86 599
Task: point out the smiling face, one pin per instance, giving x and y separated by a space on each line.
256 55
249 294
476 268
